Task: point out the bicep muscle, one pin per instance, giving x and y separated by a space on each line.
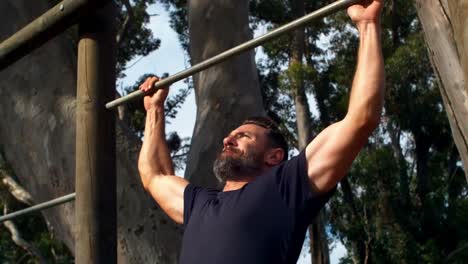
330 155
168 191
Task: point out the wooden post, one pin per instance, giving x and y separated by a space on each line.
95 141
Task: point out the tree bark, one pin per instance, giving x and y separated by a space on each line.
444 23
225 94
37 101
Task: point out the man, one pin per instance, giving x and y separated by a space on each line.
263 211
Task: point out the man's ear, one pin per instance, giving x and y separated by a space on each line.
274 156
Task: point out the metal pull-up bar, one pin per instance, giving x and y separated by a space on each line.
39 207
300 22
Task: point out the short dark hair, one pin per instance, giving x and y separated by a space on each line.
274 134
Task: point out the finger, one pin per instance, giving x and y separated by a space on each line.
148 84
152 84
145 84
152 81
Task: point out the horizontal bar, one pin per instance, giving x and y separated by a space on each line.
253 43
50 24
39 207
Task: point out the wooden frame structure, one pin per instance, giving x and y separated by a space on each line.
95 180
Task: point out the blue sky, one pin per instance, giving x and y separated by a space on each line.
171 58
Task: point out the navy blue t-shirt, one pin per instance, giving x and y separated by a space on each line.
263 222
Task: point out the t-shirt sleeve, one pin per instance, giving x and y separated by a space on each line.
294 187
190 193
195 198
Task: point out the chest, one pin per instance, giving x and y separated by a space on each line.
250 215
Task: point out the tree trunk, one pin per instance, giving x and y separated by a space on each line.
359 249
394 135
318 237
444 23
226 94
37 102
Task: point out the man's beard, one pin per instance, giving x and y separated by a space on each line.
237 166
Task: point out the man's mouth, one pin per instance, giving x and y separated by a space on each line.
232 150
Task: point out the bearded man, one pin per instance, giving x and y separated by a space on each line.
262 213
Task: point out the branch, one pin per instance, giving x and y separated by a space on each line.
122 111
395 136
369 237
128 19
19 241
457 251
13 187
359 247
180 155
175 102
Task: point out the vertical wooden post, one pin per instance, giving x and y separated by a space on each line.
95 141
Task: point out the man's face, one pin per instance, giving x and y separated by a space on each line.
243 153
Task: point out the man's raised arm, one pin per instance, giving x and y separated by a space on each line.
155 163
330 154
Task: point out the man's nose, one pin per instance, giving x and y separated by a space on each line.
229 141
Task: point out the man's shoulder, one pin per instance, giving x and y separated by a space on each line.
193 191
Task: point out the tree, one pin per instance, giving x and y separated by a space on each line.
225 94
444 23
399 179
403 190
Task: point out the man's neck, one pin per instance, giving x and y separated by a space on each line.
242 180
234 185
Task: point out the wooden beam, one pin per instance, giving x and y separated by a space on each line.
50 24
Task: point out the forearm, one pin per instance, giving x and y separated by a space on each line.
154 157
366 100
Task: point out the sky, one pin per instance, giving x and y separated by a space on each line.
171 58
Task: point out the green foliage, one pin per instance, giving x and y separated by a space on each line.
178 12
140 42
138 39
297 74
402 204
406 184
34 230
279 106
